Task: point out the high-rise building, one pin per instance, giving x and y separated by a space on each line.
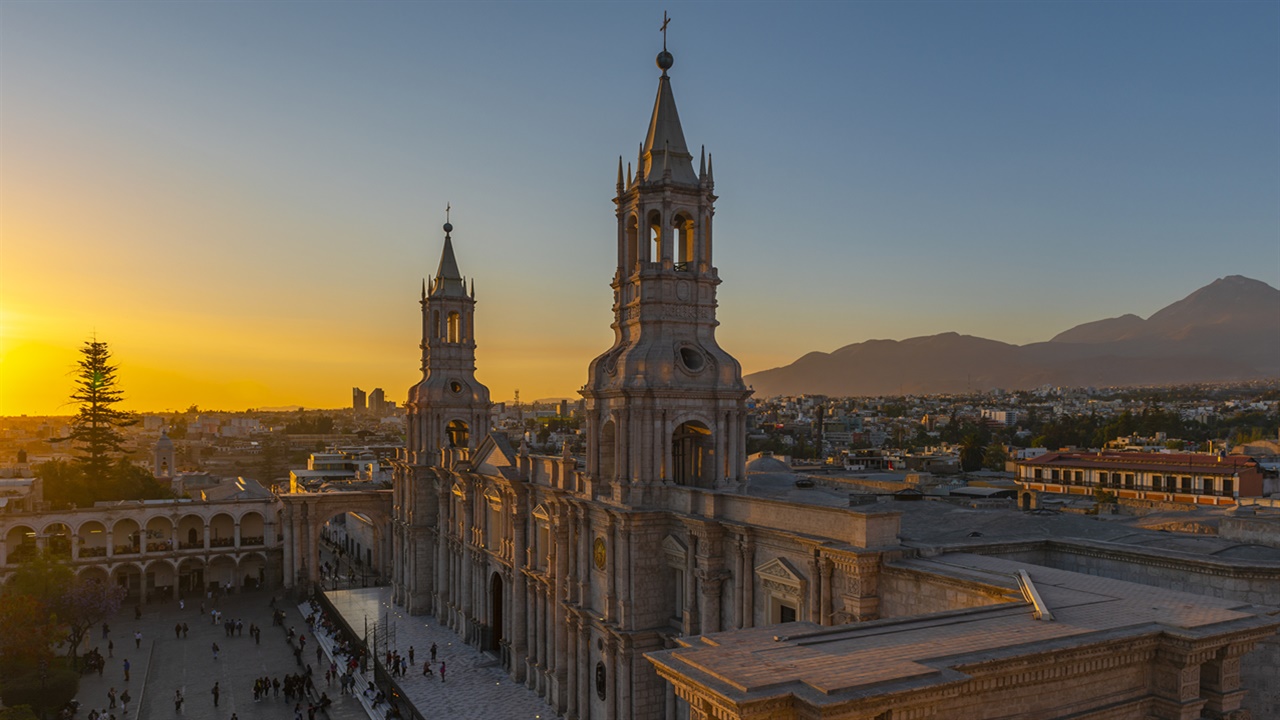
358 400
378 402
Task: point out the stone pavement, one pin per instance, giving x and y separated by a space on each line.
475 686
164 664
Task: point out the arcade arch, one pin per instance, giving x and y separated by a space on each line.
125 537
91 538
222 531
191 532
691 455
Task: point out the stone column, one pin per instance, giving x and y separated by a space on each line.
571 666
442 552
815 591
622 679
690 588
1175 681
559 638
518 604
611 667
235 533
748 551
464 579
206 534
710 610
585 669
620 565
531 635
1220 681
611 592
290 545
825 607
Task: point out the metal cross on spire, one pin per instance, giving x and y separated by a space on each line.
447 208
665 22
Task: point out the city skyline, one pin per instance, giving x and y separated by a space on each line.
262 187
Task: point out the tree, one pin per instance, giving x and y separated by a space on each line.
85 603
25 633
42 576
96 426
995 456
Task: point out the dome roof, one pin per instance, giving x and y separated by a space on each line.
767 464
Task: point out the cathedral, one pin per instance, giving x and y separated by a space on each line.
642 580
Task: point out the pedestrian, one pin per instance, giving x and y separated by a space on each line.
106 630
216 692
319 654
441 671
433 652
111 699
185 629
126 669
411 662
124 701
182 604
201 607
235 717
111 648
215 651
177 701
137 639
426 669
177 631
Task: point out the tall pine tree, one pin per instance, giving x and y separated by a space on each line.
96 426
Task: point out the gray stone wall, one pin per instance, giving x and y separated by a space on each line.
905 592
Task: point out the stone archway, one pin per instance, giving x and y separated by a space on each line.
305 513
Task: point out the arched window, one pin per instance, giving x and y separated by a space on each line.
455 327
633 246
684 229
459 434
691 455
655 236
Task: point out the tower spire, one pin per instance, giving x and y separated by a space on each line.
448 278
666 137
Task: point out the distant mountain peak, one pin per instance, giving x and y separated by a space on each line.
1226 330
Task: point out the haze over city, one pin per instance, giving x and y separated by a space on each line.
243 199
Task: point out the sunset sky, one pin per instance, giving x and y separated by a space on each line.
242 198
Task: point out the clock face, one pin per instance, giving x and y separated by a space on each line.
598 553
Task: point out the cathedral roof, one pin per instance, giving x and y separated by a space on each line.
664 146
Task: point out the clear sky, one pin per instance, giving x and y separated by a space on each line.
242 198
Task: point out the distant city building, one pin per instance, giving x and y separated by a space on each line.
1005 418
1170 477
378 402
163 466
358 400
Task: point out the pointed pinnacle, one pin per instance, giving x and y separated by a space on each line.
702 164
424 288
711 173
628 174
619 173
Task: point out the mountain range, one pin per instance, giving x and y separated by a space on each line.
1227 330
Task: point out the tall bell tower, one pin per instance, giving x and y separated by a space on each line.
449 408
665 404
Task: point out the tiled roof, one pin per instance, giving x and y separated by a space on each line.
1147 462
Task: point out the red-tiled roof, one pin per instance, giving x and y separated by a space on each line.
1147 462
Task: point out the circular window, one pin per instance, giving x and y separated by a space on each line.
455 386
691 358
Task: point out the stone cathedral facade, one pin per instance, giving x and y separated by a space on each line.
569 568
639 582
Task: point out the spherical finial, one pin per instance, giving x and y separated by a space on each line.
665 61
448 228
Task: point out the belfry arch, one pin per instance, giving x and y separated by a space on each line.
692 451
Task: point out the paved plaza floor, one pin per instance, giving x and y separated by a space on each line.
475 686
164 663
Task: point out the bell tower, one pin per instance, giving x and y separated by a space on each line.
665 404
449 408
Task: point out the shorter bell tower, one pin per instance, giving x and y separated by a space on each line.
448 408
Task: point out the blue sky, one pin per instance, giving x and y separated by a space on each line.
263 183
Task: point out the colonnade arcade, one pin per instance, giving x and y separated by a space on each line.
156 553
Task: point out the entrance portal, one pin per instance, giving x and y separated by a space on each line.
496 635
